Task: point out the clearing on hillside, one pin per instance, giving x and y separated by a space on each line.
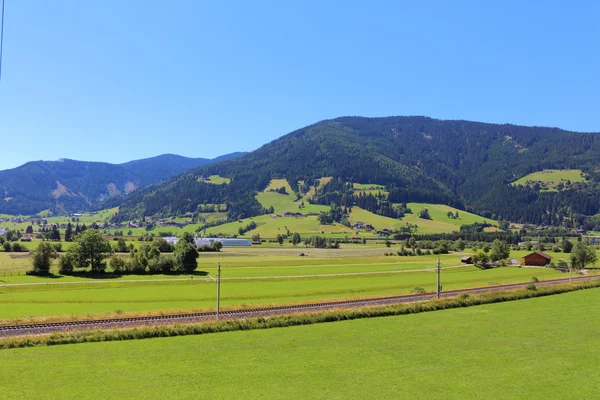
551 179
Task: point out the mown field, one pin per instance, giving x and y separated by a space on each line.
550 178
251 277
521 349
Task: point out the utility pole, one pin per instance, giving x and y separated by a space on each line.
439 287
571 272
218 290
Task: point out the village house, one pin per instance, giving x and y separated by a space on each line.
537 258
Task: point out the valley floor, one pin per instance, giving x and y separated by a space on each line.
251 277
520 349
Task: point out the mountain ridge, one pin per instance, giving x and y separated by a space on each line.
460 163
68 185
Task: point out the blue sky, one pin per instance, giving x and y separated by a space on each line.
116 80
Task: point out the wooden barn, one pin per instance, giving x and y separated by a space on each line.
537 258
466 260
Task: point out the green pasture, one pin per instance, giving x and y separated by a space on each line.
279 183
107 296
369 188
551 177
519 349
287 202
218 180
439 222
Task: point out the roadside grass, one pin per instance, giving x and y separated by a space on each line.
422 356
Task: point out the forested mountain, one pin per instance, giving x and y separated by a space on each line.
460 163
69 185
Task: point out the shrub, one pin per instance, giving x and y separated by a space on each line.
535 279
7 247
166 264
118 265
464 296
42 259
65 264
531 287
18 248
418 290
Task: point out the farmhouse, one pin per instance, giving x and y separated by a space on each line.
537 258
466 260
26 239
359 225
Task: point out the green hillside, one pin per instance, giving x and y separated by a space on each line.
551 179
462 164
270 225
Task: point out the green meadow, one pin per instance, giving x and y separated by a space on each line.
520 349
550 178
242 287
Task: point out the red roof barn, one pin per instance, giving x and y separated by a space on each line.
537 258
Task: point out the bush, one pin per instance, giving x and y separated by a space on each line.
18 248
118 265
464 296
418 290
166 264
7 247
535 279
42 259
531 287
65 264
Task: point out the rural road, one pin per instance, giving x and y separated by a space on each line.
115 323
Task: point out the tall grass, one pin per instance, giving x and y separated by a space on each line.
290 320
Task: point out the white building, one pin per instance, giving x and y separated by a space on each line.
225 242
172 240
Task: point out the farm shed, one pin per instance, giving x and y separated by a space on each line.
537 258
466 260
224 242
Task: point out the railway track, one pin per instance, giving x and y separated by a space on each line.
51 327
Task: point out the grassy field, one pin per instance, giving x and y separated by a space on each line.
218 180
114 297
510 350
439 222
270 227
550 178
251 276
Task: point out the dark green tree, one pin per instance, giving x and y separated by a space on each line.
582 255
42 257
500 250
69 233
296 239
186 256
90 250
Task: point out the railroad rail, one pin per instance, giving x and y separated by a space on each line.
111 323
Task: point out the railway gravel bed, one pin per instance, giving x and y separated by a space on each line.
120 323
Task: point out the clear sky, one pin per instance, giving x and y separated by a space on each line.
116 80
